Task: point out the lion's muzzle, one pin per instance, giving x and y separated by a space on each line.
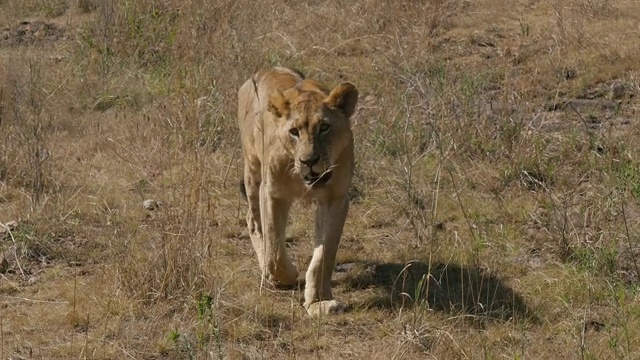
313 173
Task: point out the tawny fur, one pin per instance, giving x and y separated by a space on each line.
297 143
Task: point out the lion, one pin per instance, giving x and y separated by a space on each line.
297 144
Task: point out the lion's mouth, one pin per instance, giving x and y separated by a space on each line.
314 179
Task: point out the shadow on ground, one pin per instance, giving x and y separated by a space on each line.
449 288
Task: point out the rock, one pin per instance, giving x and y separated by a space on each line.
345 267
151 204
359 272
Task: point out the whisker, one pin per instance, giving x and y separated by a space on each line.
329 170
291 169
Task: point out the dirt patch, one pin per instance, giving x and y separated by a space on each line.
31 32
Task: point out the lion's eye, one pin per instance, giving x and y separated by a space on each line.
324 128
294 132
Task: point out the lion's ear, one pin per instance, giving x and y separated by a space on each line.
278 104
343 97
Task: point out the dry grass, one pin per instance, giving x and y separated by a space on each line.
495 208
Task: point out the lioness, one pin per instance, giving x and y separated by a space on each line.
297 143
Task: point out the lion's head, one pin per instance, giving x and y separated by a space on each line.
314 126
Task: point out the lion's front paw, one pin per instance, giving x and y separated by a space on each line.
325 307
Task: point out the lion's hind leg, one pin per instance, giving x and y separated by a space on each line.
251 190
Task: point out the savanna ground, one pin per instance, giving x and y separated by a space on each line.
495 209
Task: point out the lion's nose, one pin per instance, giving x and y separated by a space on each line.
310 161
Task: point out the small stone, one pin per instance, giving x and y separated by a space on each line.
151 204
345 267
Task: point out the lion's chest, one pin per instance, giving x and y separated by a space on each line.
286 186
